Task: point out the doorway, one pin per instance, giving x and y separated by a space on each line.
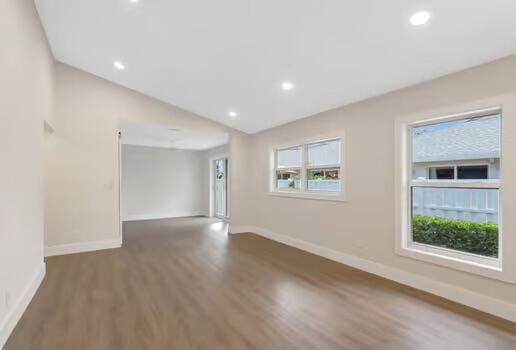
163 173
220 188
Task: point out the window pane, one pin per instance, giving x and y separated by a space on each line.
288 180
220 168
442 173
290 158
475 139
324 153
472 172
461 219
323 180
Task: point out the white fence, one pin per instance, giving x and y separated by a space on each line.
313 185
467 204
324 185
479 205
286 184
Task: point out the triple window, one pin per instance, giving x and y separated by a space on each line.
309 168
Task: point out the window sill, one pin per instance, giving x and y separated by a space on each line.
474 264
337 197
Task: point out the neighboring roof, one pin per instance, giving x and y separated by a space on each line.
473 139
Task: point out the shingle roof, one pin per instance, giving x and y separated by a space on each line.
474 139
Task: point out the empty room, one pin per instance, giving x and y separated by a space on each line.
293 174
173 173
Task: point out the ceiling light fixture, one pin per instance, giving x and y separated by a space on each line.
233 114
420 18
119 65
287 85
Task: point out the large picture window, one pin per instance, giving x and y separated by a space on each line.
310 169
454 187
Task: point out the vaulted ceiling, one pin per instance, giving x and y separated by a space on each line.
217 57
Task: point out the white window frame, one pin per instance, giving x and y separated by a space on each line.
495 184
294 168
303 192
501 268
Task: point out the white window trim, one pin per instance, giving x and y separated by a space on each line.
478 260
303 193
500 268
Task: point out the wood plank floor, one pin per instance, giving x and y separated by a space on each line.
184 284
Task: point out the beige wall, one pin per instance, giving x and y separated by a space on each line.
240 210
26 86
162 183
82 177
81 165
364 226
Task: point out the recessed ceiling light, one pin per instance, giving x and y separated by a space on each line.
420 18
233 114
119 65
134 1
287 85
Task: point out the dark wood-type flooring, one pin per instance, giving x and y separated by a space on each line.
186 284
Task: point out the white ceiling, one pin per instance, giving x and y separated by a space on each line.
151 135
211 57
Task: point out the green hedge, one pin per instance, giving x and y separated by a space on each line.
467 236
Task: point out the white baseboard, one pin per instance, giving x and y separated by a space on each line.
459 295
241 229
16 312
155 216
81 247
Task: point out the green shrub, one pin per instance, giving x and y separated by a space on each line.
467 236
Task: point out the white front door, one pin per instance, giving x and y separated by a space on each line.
220 187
